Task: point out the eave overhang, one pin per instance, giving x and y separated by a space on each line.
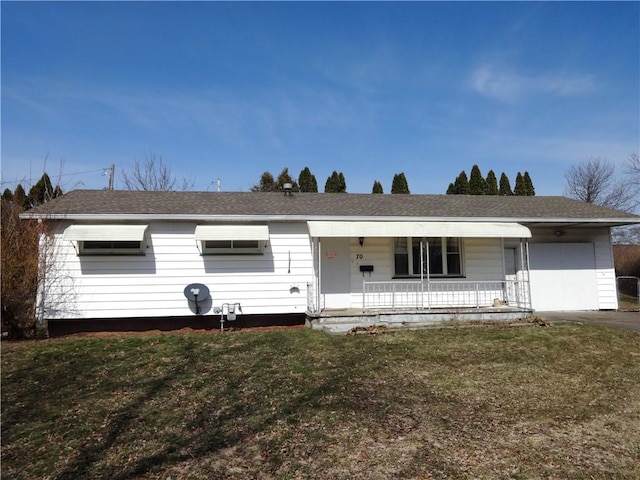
527 221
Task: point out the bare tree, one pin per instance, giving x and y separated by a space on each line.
632 169
153 174
34 285
594 181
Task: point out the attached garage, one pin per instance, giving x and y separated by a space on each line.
563 276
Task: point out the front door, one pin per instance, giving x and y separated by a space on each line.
335 284
511 274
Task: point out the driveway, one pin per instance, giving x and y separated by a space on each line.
626 320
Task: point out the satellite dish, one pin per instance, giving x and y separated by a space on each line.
196 292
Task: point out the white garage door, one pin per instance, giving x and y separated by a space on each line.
563 276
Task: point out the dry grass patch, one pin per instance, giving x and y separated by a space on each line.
527 402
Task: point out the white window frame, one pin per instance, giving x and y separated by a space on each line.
445 273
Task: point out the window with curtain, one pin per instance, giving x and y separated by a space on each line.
440 257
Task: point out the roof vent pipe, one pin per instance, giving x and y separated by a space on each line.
288 189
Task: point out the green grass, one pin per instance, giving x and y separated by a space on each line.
527 402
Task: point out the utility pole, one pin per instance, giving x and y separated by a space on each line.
112 171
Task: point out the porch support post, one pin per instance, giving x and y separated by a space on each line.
421 275
519 290
319 295
428 279
526 247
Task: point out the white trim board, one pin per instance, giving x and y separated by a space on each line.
319 229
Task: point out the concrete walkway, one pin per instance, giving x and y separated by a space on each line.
626 320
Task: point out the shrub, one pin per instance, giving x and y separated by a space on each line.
626 259
19 271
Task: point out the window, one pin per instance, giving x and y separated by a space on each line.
110 247
100 239
440 257
233 247
232 239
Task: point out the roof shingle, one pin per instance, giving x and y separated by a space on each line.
83 203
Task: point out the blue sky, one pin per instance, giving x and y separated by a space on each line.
229 90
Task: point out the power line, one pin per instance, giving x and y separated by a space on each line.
30 181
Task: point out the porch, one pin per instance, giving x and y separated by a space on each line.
418 304
341 321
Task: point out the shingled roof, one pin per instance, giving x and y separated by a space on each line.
124 204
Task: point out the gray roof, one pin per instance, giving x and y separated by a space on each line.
138 205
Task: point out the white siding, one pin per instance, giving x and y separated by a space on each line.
376 252
483 259
153 284
605 271
276 282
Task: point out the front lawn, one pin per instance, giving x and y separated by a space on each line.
526 402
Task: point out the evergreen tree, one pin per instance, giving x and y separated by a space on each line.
20 198
505 185
266 184
399 184
461 185
307 181
342 183
520 188
491 184
283 178
42 191
335 183
377 187
330 185
476 181
7 195
529 185
451 190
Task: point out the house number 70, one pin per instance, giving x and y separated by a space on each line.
359 256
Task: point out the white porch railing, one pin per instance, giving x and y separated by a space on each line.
444 294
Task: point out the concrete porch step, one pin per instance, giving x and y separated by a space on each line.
342 322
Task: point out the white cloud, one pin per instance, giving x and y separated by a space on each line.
511 87
269 116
